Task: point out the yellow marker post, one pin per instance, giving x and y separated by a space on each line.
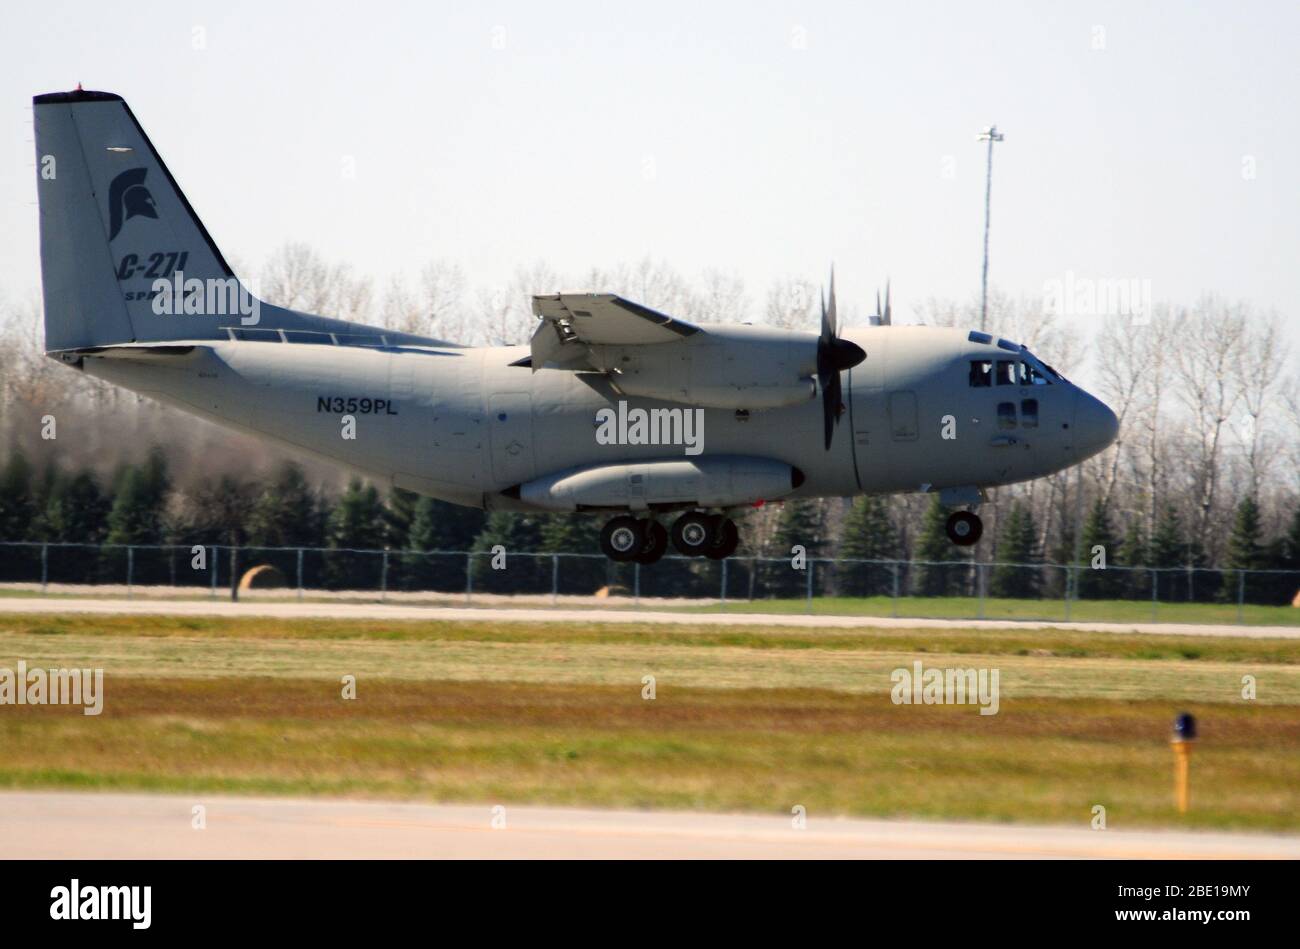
1184 738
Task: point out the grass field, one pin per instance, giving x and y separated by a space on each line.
752 718
938 607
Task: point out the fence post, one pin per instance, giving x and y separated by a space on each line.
45 566
130 570
383 578
1155 582
979 586
808 581
216 554
722 599
555 579
1069 579
234 574
469 577
300 574
636 582
1241 595
895 598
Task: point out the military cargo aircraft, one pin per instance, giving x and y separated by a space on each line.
672 428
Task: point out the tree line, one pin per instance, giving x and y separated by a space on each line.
1205 477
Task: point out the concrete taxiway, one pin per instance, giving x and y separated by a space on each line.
394 611
56 825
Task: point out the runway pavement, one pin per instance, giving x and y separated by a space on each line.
393 611
56 825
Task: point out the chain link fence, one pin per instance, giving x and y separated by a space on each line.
948 589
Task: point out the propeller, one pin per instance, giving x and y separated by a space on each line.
883 317
834 355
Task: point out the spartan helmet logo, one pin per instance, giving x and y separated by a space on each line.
128 198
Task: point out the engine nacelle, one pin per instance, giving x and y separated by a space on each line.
729 367
722 481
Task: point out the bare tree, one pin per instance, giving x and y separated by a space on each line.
1210 336
297 277
1260 360
792 304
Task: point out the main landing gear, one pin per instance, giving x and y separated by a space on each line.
964 528
694 534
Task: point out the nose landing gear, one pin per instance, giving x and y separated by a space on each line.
964 528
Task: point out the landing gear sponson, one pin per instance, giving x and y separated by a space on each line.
694 534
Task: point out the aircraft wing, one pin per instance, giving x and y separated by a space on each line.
572 322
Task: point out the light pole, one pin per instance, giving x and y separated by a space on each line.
990 135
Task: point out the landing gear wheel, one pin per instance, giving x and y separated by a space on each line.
964 528
656 542
622 538
725 538
693 533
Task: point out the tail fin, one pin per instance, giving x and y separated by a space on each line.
113 221
115 228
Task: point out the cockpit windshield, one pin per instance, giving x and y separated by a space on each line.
1027 370
1040 373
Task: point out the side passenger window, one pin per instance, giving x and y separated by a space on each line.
1006 415
1029 413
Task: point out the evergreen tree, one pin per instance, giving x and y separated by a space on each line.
138 517
1018 545
869 534
76 512
1245 553
355 524
1098 584
519 533
18 514
438 525
932 544
799 524
578 534
1133 555
1168 552
1290 559
17 499
286 512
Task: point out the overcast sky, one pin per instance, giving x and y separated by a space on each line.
1156 141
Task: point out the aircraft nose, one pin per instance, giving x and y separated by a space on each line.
1095 425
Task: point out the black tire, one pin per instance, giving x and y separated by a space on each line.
656 542
964 528
692 533
726 537
622 538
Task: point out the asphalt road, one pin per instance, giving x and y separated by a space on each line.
56 825
335 610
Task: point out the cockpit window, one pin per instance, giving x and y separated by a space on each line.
1006 372
981 373
1038 372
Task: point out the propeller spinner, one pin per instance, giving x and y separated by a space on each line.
834 355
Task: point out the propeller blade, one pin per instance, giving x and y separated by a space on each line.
833 317
831 408
834 355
